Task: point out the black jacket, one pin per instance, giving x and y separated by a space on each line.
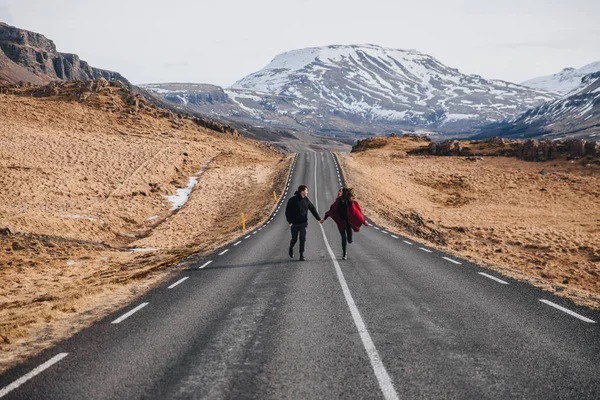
296 211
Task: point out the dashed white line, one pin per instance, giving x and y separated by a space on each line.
572 313
260 228
377 228
254 233
424 249
223 252
493 278
384 380
236 243
129 314
383 231
205 264
451 260
31 374
407 242
178 282
247 237
395 237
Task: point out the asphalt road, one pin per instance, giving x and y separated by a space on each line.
395 320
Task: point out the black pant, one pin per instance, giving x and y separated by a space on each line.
299 229
346 236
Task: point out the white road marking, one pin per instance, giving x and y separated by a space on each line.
451 260
236 243
34 372
178 282
247 237
205 264
224 251
383 231
395 237
254 233
377 228
385 382
260 228
407 242
493 277
129 314
574 314
424 249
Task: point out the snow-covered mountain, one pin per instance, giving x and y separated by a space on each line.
564 81
576 115
369 89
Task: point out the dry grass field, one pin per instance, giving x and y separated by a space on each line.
534 221
83 183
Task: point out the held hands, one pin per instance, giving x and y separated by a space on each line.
321 221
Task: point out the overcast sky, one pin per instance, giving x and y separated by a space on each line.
221 41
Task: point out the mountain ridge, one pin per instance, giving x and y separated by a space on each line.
31 57
563 82
370 89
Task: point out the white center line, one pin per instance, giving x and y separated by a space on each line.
205 264
451 260
395 237
236 243
129 314
385 382
178 282
223 252
574 314
493 277
33 373
424 249
407 242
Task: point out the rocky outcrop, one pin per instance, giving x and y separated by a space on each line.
449 148
544 150
215 126
31 57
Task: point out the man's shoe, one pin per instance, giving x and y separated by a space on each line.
291 252
302 258
344 258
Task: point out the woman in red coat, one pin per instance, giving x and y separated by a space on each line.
348 216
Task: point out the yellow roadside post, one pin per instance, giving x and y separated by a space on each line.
243 222
275 196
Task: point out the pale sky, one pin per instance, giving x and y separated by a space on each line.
222 41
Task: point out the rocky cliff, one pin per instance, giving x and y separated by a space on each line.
31 57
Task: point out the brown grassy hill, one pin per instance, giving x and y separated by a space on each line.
536 221
85 168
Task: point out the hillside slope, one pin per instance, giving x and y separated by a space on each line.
90 172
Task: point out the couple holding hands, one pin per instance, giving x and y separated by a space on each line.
344 211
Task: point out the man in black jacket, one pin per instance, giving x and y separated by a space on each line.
296 213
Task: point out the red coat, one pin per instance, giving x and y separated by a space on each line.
355 215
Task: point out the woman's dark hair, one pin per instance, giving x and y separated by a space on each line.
347 194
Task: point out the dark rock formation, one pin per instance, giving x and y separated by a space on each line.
449 148
31 57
